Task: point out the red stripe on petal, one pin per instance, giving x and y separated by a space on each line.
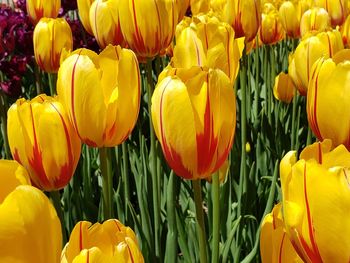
68 168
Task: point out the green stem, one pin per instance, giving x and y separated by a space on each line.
243 173
171 248
126 180
200 220
52 83
292 146
309 136
3 112
153 159
38 85
257 72
56 200
107 183
216 217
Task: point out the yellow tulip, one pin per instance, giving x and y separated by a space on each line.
30 230
43 140
314 20
324 44
51 36
194 118
148 37
84 14
101 94
337 10
283 89
316 197
38 9
271 30
244 16
107 242
275 245
290 13
105 24
205 41
328 97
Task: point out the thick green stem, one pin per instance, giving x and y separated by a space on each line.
216 217
200 220
3 116
153 159
126 180
52 83
107 183
56 200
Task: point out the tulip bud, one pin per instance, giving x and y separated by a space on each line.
43 140
328 97
337 10
30 230
316 197
194 118
101 94
205 41
244 16
105 24
110 241
283 89
314 20
148 37
51 37
324 44
271 30
38 9
275 245
84 14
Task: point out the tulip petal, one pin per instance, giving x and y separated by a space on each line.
30 230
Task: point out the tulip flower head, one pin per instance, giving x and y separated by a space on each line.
107 242
271 30
148 37
314 20
194 118
245 17
30 230
316 197
290 13
105 22
284 87
38 9
84 14
328 97
337 10
44 141
205 41
324 44
101 94
51 36
275 245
